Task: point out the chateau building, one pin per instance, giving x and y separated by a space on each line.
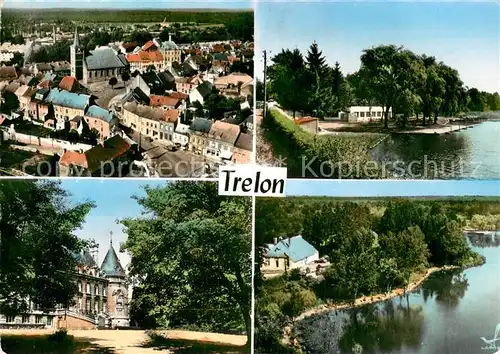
102 299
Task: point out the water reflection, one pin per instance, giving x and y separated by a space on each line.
447 288
471 153
484 240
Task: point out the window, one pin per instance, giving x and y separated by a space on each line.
26 319
80 287
379 114
277 263
38 319
96 290
10 319
88 288
361 114
49 320
103 291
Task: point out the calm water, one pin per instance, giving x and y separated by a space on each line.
472 153
448 315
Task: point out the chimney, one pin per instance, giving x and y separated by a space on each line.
170 37
275 241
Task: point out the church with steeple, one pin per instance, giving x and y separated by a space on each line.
102 300
77 54
100 65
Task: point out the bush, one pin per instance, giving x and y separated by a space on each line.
347 154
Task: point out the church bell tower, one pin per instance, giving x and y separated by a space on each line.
76 57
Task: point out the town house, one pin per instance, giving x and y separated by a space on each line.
68 105
186 84
221 140
198 135
155 123
242 152
101 120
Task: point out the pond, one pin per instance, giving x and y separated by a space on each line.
473 153
455 312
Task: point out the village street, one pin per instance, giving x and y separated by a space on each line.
168 163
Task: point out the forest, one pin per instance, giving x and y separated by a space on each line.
394 77
374 246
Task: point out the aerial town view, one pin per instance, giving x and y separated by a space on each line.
101 268
414 273
153 93
381 98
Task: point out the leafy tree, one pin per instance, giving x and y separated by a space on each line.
10 102
37 244
414 258
199 244
290 80
125 76
352 271
113 81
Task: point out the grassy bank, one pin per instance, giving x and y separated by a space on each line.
334 156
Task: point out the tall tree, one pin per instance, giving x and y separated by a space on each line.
290 81
316 62
191 254
37 244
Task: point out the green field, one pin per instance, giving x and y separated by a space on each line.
203 16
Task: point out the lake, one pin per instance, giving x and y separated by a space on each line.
473 153
448 314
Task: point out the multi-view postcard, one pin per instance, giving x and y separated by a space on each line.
131 91
357 90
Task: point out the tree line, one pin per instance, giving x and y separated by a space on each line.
390 76
373 247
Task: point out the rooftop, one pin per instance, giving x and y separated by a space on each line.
245 142
225 132
149 112
296 248
68 99
105 58
111 265
99 112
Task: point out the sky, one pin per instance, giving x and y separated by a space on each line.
129 4
113 202
388 188
464 35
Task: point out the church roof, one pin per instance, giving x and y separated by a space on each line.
104 58
76 39
111 265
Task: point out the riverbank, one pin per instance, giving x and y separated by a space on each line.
372 299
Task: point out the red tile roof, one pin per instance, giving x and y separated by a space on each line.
179 95
68 83
148 45
304 120
172 115
156 101
73 158
145 57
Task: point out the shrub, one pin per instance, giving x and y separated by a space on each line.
346 154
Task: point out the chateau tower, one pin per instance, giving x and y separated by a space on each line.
76 57
117 296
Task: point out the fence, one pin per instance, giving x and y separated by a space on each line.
45 142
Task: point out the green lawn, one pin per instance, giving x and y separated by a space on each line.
10 158
49 345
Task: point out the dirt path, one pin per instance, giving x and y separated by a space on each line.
133 342
365 300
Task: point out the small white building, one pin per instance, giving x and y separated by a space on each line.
364 114
289 253
200 92
181 135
